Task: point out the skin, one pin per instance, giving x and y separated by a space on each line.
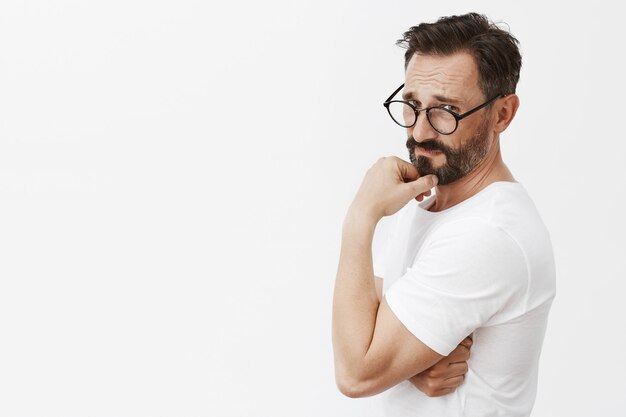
373 351
431 76
446 375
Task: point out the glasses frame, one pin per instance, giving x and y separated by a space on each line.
457 117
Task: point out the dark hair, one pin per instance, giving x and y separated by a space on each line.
495 50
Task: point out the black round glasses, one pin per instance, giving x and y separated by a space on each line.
442 119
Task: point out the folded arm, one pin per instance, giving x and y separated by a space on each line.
373 350
445 376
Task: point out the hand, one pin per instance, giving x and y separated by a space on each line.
446 375
388 185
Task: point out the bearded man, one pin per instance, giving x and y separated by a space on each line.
470 265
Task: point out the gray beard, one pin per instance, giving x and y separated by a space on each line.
459 162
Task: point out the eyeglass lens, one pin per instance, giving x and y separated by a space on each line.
405 116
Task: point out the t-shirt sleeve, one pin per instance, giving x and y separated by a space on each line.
466 273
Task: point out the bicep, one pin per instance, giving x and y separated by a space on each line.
465 278
394 354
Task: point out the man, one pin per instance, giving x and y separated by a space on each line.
473 260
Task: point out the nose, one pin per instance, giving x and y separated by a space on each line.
422 130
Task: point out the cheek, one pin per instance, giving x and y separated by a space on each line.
459 139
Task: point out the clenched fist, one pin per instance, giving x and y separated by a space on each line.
388 185
446 375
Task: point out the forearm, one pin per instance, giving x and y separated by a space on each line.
355 301
373 350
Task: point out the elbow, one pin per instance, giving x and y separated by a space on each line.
353 387
350 389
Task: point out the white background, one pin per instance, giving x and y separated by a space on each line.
173 180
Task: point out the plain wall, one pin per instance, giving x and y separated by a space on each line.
174 176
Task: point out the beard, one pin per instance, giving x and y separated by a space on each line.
459 162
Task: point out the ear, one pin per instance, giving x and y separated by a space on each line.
505 109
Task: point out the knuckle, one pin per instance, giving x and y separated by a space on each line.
431 385
430 393
440 393
380 161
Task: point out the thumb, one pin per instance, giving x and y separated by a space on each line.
422 184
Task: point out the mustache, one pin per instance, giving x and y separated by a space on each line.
429 145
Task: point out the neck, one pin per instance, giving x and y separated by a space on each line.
491 169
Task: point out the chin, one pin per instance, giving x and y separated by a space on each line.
425 166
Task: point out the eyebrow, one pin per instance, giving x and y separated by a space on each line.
409 96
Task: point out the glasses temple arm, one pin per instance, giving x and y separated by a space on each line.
475 109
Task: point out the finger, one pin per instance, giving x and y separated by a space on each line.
423 195
467 342
453 382
422 184
460 354
437 371
456 369
442 392
407 170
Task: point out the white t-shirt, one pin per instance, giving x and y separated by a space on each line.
483 267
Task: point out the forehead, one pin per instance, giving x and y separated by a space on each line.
454 76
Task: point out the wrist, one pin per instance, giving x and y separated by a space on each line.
361 220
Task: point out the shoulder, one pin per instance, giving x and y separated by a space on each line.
501 218
474 252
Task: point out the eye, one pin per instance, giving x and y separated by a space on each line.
449 107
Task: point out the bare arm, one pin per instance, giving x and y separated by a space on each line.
378 282
373 350
447 374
